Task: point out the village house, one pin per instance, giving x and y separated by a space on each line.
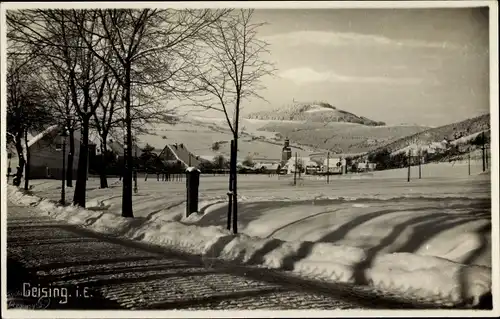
46 153
334 165
178 154
302 162
366 167
267 164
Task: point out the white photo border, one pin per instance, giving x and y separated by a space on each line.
494 113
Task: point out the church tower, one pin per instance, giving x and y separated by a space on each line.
286 153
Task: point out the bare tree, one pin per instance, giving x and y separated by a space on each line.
54 35
26 108
105 119
233 67
56 87
152 53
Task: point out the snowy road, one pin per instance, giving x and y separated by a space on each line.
114 274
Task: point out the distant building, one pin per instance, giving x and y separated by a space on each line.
119 149
366 166
302 162
46 153
334 165
179 154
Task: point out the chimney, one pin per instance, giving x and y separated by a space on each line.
182 145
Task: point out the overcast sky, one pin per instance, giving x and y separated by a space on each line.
429 67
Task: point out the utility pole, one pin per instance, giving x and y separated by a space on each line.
484 155
419 164
295 170
409 164
328 168
468 159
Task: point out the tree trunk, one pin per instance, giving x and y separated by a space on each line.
102 173
79 197
71 155
20 167
127 174
27 164
235 163
234 186
230 194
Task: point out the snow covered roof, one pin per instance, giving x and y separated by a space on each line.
269 166
319 108
416 147
207 157
306 161
333 162
41 135
466 139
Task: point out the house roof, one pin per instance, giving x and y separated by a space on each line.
34 139
119 149
209 158
183 155
113 145
303 160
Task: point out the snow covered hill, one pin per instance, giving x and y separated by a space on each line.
457 133
313 112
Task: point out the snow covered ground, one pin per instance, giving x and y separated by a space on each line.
430 237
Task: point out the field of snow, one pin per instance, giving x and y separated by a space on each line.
430 237
249 126
199 135
341 136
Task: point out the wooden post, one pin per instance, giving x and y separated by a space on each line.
295 171
409 164
328 167
192 186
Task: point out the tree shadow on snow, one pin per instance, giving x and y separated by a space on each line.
414 242
247 212
432 224
301 220
486 301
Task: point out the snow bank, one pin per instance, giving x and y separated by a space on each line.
425 277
